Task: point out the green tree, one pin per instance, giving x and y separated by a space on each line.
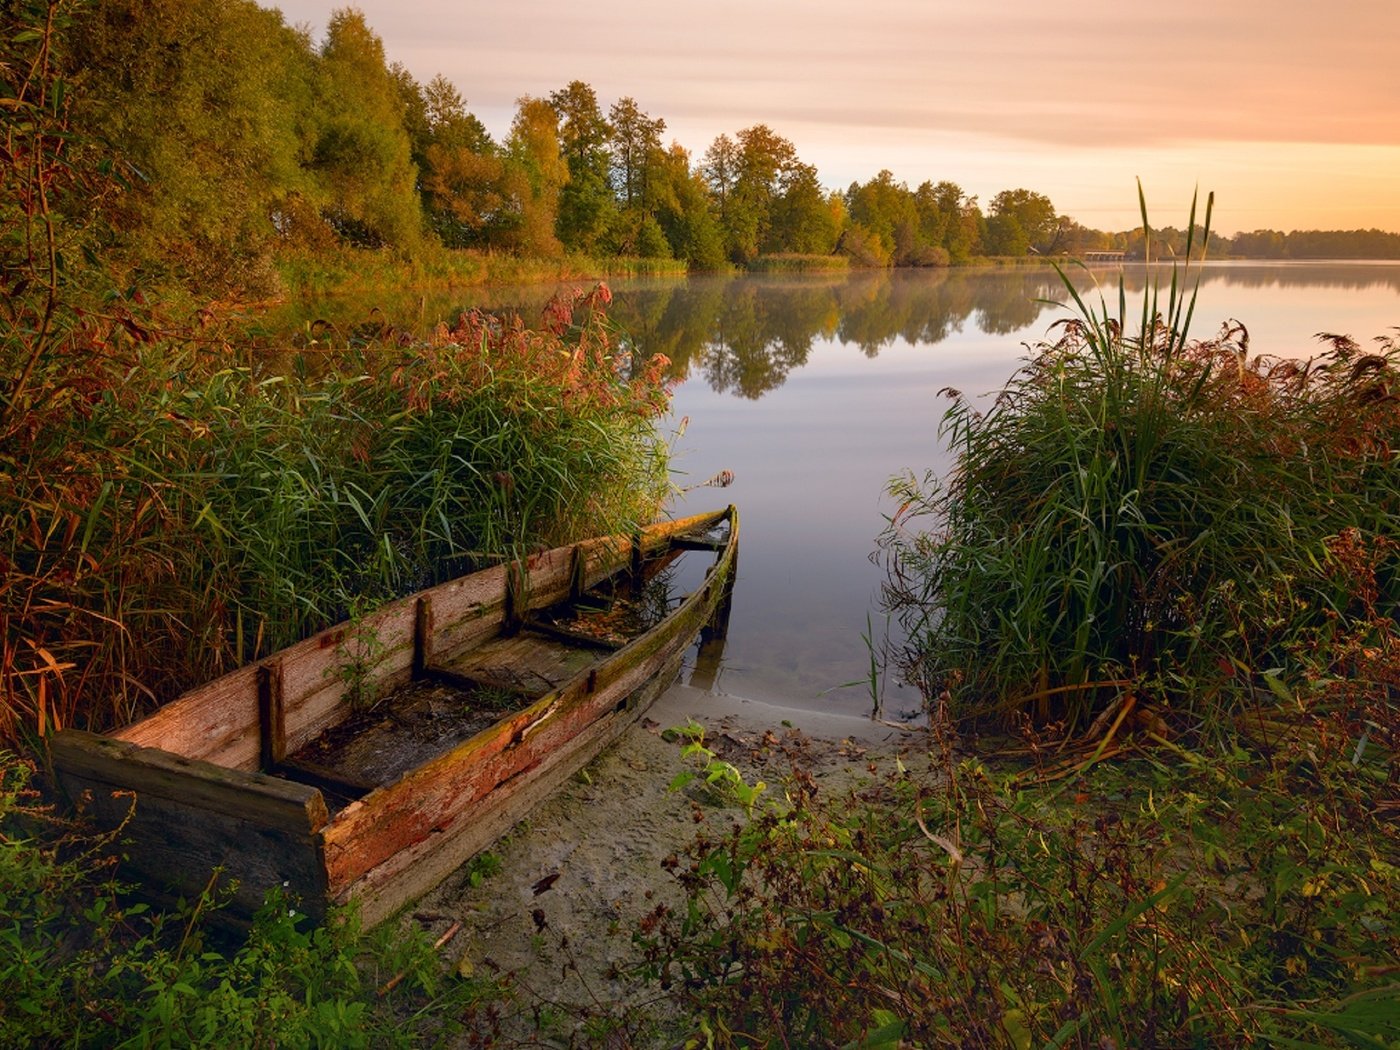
636 142
720 169
534 175
684 212
207 102
363 154
886 210
760 158
587 208
959 217
1021 220
804 218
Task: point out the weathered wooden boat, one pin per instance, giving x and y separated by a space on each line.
373 759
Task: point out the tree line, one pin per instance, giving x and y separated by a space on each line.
240 136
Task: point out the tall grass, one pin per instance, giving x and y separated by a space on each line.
173 515
1141 510
794 262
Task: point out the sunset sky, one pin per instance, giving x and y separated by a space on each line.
1288 109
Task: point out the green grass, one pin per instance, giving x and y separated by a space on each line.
1139 510
796 263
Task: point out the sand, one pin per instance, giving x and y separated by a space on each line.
556 914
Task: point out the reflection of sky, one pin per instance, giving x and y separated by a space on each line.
811 458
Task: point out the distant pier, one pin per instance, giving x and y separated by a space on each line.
1105 257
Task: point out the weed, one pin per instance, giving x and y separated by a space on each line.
723 778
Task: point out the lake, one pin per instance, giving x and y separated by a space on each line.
815 390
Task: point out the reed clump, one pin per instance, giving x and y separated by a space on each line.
169 514
797 262
1140 511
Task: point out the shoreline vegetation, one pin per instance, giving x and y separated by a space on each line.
177 501
294 151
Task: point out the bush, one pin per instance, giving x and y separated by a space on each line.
1155 513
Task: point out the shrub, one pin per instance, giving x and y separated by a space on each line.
1148 511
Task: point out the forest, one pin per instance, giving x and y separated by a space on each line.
243 142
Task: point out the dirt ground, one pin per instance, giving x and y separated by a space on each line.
554 906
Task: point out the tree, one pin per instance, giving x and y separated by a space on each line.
760 157
636 140
466 197
803 218
886 210
535 173
1021 220
363 155
684 213
587 208
449 122
720 169
207 102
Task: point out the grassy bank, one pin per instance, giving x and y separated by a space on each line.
344 270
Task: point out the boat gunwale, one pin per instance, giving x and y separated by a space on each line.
514 728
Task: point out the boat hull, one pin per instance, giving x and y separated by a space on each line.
191 788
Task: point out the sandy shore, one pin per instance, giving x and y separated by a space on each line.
558 912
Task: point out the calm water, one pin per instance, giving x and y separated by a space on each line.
815 391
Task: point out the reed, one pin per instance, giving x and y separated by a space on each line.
1138 506
172 516
791 262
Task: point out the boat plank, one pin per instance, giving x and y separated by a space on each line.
187 817
414 870
524 663
433 797
217 722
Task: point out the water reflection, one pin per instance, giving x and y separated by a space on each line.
815 390
745 335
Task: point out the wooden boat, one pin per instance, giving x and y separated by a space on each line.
373 759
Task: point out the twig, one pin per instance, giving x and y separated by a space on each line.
938 840
394 981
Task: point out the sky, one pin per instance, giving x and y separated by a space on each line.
1289 110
